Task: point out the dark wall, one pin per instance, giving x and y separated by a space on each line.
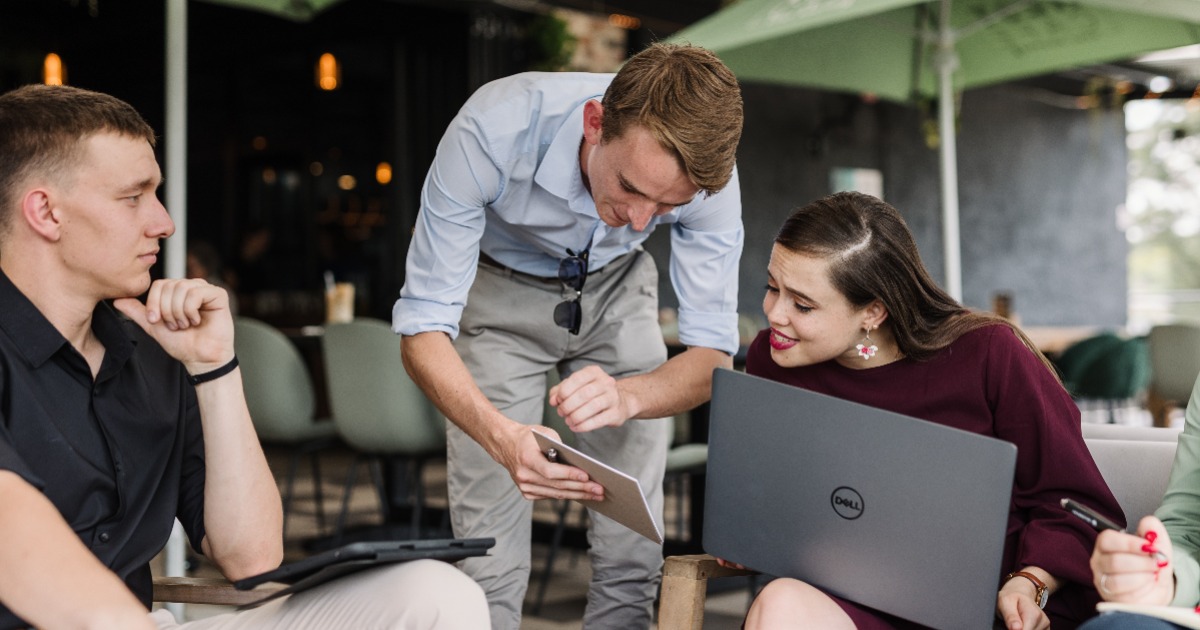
1039 188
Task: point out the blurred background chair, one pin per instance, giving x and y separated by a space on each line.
279 393
1174 366
1075 359
380 413
1117 377
1106 372
748 327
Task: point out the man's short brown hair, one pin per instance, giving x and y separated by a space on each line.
42 128
688 100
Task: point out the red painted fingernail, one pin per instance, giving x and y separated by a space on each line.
1149 548
1150 536
1162 563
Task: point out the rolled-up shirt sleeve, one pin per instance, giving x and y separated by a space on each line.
444 252
706 246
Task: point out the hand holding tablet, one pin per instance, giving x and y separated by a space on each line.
623 499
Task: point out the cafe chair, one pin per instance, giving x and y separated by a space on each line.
1076 358
748 328
279 393
1116 376
1174 367
379 411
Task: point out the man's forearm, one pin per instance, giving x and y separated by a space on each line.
50 579
436 368
680 384
243 515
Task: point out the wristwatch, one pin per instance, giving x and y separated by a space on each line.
1041 594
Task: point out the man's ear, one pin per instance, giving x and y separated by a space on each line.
39 213
593 117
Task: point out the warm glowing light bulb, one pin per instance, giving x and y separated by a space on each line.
627 22
383 173
53 72
328 72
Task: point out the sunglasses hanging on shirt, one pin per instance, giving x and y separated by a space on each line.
572 271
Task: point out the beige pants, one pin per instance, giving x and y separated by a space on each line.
508 342
418 595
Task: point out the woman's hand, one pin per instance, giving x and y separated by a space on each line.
1134 569
1015 605
1017 602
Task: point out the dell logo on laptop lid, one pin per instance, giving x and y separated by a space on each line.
847 502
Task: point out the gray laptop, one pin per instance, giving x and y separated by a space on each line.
901 515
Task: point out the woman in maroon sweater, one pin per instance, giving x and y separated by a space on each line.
854 314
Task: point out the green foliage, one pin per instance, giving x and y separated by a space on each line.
552 44
1164 195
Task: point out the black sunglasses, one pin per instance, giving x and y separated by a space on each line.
572 271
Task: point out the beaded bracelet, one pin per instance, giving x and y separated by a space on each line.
196 379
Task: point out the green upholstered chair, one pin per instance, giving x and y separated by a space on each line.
279 393
1076 358
1174 366
1117 373
379 411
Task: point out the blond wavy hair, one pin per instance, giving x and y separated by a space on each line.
688 100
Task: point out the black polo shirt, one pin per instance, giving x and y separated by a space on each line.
120 456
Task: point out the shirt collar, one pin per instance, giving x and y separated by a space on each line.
37 339
558 173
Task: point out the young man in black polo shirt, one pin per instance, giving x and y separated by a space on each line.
110 429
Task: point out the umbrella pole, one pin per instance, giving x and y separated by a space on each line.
947 61
176 197
176 136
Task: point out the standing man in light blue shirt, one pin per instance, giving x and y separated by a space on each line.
527 257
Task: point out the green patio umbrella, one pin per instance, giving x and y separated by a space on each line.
296 10
905 50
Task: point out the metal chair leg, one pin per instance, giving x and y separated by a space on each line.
290 488
385 503
555 543
418 467
318 490
351 477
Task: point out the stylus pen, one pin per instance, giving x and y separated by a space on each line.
1089 516
1100 523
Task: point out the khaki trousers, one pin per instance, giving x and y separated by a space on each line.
418 595
509 341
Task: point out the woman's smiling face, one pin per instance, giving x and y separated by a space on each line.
811 321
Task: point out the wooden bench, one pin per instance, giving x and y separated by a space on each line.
685 588
215 591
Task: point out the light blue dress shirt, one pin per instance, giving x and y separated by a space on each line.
506 181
